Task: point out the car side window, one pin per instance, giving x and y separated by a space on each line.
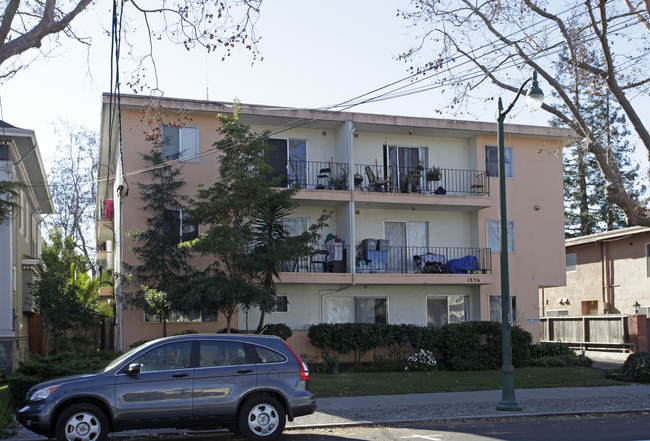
268 356
221 353
166 357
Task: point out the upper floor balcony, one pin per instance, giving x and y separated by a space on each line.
314 175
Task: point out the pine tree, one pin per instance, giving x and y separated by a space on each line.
163 265
586 209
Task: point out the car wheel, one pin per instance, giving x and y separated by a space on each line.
261 418
82 422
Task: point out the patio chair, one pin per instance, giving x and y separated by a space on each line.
374 183
321 257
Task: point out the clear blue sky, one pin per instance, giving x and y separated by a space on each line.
315 54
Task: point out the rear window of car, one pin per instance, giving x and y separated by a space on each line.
221 353
266 355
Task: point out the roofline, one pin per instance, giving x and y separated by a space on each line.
606 236
477 127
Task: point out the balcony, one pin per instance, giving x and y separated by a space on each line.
429 261
378 178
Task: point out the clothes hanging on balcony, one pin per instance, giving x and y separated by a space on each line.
467 264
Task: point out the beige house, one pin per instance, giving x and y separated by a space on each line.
20 245
413 235
606 300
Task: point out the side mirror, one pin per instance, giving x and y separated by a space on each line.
133 369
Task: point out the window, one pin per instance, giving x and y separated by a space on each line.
571 263
282 304
647 259
166 357
4 152
221 353
289 161
179 226
495 309
494 236
557 313
266 355
178 317
442 310
371 310
180 143
296 226
357 309
492 161
412 236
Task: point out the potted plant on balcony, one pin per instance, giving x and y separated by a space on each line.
341 181
434 174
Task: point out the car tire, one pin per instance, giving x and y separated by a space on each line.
261 418
82 422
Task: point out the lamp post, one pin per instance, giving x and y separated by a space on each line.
534 99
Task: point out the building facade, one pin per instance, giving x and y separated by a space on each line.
413 231
20 245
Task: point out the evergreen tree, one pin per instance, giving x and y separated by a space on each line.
162 265
586 209
243 212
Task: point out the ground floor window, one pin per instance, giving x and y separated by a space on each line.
495 309
175 316
357 309
282 304
442 310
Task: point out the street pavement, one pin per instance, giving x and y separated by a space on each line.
385 409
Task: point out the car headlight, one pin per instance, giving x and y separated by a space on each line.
43 393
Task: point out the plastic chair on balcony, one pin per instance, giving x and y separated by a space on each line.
320 257
326 174
374 183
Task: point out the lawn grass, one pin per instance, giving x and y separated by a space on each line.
389 383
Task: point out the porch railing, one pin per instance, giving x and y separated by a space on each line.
379 178
395 260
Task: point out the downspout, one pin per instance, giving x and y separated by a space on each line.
605 276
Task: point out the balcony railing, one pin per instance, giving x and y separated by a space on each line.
379 178
396 260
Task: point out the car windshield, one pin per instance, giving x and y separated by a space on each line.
119 360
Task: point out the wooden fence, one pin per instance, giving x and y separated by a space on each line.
588 332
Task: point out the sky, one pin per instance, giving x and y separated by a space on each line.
315 54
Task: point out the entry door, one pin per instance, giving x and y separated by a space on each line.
289 160
406 239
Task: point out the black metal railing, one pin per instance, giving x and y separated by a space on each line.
396 260
336 176
432 180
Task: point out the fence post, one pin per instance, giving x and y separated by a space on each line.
638 331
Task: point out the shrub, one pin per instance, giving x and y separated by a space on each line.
279 329
8 427
39 368
550 349
635 369
550 354
422 360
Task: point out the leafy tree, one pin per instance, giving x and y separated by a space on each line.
158 304
8 192
244 236
215 26
64 295
72 177
476 43
273 244
162 265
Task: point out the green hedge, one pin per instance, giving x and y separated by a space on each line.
459 346
636 369
39 368
278 329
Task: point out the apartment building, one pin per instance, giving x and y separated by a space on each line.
413 231
20 245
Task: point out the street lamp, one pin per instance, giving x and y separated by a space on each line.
534 99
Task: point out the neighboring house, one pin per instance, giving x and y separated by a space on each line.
607 280
20 245
413 235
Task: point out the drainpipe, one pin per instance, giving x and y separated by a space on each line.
605 276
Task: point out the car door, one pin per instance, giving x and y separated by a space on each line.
222 377
160 394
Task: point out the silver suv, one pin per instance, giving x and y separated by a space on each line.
249 383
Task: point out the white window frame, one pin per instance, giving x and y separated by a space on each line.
495 315
466 307
493 151
493 236
572 262
187 149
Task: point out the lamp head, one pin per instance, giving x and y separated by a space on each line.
534 96
636 307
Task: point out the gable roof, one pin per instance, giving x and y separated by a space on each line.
607 236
